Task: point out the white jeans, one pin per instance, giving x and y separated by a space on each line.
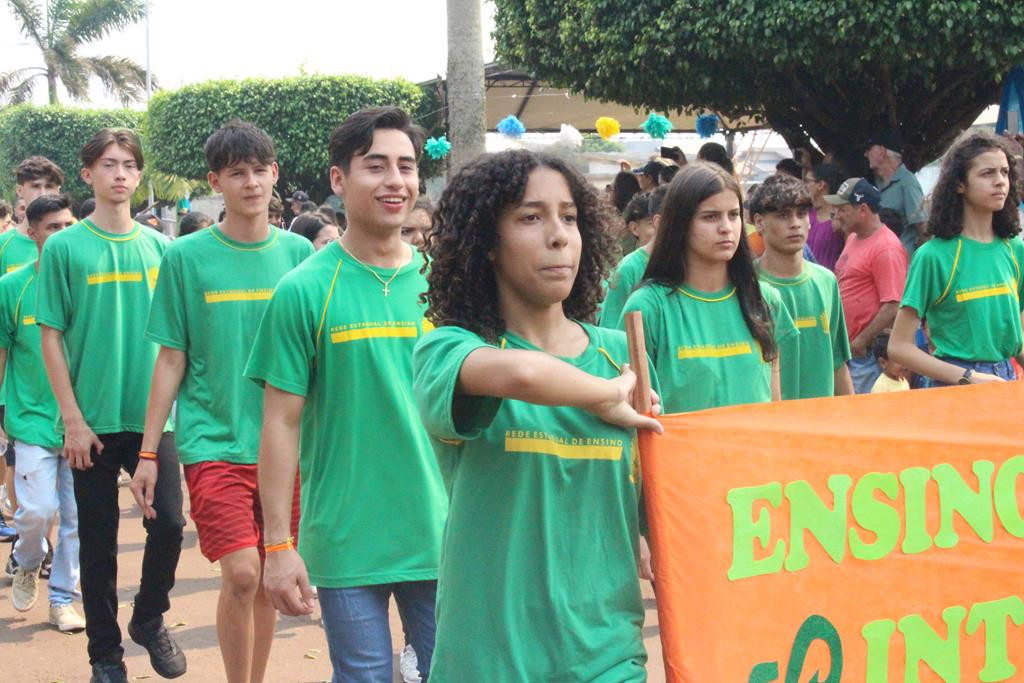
42 480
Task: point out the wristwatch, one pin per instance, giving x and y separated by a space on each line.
966 378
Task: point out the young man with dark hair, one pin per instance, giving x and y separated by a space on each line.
33 177
812 363
212 291
350 316
96 282
872 271
44 478
6 216
630 271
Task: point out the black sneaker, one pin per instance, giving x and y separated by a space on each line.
11 566
164 654
47 565
109 672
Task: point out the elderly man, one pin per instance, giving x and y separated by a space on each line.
899 187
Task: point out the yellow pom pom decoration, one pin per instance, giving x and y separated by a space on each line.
607 127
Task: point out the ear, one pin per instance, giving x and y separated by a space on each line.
86 175
632 228
960 188
758 222
656 221
214 181
275 170
337 181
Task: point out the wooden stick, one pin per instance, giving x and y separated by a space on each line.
638 361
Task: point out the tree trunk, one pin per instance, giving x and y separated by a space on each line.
465 82
51 85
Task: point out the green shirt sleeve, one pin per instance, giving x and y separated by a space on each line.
284 350
437 361
1017 251
926 281
167 319
54 301
645 300
840 337
8 321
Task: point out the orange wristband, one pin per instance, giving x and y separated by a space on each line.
147 455
287 544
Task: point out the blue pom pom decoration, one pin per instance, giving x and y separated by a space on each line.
511 127
438 148
707 125
657 126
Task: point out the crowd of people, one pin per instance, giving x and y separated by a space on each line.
433 403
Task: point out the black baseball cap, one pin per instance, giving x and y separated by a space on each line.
299 196
856 191
651 168
888 138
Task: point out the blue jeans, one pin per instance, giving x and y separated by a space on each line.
359 635
1002 368
43 482
864 372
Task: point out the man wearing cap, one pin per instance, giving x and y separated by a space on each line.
899 187
647 175
871 271
296 200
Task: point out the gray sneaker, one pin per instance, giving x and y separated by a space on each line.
109 672
25 589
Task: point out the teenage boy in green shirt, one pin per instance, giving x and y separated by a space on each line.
213 288
44 478
344 323
813 363
96 281
34 177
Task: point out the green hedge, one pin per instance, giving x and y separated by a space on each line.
57 133
298 113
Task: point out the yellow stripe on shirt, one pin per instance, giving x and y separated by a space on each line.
238 295
720 351
562 450
801 323
28 320
382 331
103 278
984 293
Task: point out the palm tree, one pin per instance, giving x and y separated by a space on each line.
65 27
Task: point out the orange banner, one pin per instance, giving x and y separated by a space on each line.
863 538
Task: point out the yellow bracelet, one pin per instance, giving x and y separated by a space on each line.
287 544
147 455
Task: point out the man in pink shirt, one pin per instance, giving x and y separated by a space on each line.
871 271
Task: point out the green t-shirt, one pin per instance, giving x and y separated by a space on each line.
623 280
703 353
16 250
31 414
373 502
96 288
212 314
971 295
808 361
538 573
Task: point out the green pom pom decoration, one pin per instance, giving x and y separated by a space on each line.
438 148
657 126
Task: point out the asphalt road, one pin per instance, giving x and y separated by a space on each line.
31 651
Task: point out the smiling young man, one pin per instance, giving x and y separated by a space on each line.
812 363
44 478
96 282
213 288
373 503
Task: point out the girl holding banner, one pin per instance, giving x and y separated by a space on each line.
529 411
712 330
967 281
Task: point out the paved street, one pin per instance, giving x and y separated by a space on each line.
33 652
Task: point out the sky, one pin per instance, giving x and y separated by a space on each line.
199 40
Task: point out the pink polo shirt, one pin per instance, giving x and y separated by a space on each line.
871 272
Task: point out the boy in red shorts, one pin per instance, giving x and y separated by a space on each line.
214 285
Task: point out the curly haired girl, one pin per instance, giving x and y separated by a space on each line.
528 408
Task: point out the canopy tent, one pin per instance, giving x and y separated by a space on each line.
544 108
1012 101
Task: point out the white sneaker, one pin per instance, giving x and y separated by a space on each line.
407 665
66 619
25 588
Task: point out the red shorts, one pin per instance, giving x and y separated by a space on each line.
225 502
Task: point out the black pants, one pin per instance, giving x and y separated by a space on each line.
98 516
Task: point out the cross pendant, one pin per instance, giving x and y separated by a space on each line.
386 290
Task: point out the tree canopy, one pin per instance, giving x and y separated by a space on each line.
59 33
830 72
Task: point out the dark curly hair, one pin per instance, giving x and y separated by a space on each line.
462 290
947 210
693 184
